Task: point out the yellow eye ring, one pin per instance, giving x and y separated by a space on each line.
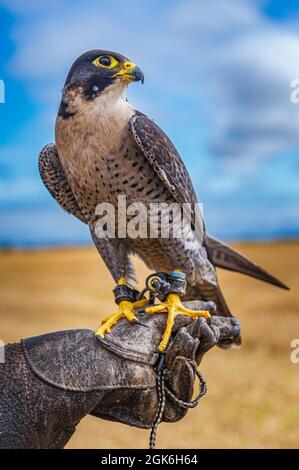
106 61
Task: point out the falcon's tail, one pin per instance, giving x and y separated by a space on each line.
223 256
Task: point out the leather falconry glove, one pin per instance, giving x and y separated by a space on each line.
50 382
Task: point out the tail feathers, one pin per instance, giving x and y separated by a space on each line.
223 256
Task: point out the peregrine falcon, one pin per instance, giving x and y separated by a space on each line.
104 149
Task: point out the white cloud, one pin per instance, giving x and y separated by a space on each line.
246 64
215 17
225 56
28 7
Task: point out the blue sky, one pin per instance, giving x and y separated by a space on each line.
217 80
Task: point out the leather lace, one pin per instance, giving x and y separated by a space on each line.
164 392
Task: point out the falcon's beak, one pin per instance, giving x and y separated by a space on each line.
130 72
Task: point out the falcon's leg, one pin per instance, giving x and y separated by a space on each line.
115 254
173 306
126 309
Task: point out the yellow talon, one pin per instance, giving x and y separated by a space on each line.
173 306
125 309
140 303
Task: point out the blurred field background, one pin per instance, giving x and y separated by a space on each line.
252 399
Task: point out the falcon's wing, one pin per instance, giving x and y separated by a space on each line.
163 157
54 179
167 163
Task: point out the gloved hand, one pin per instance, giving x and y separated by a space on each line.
50 382
185 353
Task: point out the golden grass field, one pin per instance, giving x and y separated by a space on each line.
253 392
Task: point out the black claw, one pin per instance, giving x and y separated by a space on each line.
137 322
100 339
142 310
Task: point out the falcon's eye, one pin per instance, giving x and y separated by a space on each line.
106 61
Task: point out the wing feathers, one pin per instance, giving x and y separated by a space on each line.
225 257
54 179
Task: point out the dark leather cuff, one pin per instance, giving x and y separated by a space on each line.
124 292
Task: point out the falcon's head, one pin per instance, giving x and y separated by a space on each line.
97 70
